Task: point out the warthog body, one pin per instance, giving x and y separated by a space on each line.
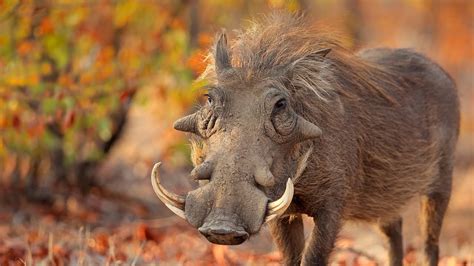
359 135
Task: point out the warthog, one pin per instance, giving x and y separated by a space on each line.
296 124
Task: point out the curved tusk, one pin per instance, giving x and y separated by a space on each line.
174 202
279 206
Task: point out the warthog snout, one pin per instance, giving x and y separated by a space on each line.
224 236
220 228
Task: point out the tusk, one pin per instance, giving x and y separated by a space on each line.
279 206
174 202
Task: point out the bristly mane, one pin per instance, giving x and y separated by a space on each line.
283 41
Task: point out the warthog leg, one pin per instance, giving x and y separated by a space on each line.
288 233
433 208
393 232
327 223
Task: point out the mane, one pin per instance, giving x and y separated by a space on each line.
282 40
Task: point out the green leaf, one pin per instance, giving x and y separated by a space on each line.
56 47
68 102
38 89
50 141
104 128
49 105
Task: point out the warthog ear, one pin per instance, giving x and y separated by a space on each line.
187 124
322 52
222 55
318 54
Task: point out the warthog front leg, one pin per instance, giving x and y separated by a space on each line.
326 227
288 233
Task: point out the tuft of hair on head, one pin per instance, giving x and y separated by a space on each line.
308 56
279 41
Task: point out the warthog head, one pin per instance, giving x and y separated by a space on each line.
246 133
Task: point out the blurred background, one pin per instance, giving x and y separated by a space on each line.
88 94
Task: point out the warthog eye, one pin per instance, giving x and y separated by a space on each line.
283 120
280 105
209 99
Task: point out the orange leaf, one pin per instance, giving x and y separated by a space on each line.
46 26
178 23
196 63
69 119
24 48
141 232
205 40
46 68
219 255
101 243
105 55
126 94
16 121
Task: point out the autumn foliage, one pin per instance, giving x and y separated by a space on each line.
69 73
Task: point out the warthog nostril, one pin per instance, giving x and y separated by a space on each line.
224 236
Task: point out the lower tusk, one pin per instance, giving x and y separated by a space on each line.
174 202
279 206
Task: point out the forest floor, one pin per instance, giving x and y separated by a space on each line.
102 229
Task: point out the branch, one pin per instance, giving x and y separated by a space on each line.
120 118
193 23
